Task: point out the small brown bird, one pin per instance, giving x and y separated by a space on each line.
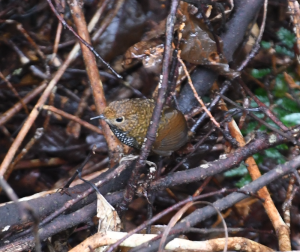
129 120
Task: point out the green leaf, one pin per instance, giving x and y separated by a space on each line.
258 158
282 147
263 99
265 44
288 104
206 99
260 115
259 73
249 127
262 96
282 50
280 112
261 92
286 37
239 171
280 86
275 154
244 181
271 123
281 160
272 153
291 119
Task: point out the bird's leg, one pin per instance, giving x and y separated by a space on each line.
129 157
86 181
145 184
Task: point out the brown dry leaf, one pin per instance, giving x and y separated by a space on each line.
108 218
199 47
243 206
150 52
290 81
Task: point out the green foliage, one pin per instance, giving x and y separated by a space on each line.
279 112
258 158
287 40
282 147
288 104
285 109
206 99
266 45
275 154
259 73
280 86
243 181
286 37
239 171
272 153
291 119
282 50
251 125
262 93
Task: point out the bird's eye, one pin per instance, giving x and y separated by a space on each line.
120 119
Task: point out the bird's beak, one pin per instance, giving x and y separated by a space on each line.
98 117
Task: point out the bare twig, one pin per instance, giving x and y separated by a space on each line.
25 209
215 101
73 118
295 17
179 214
73 128
286 207
58 33
162 87
256 46
160 215
80 197
34 113
14 92
107 21
18 106
256 118
38 134
114 145
234 243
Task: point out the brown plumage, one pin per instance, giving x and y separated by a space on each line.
129 121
